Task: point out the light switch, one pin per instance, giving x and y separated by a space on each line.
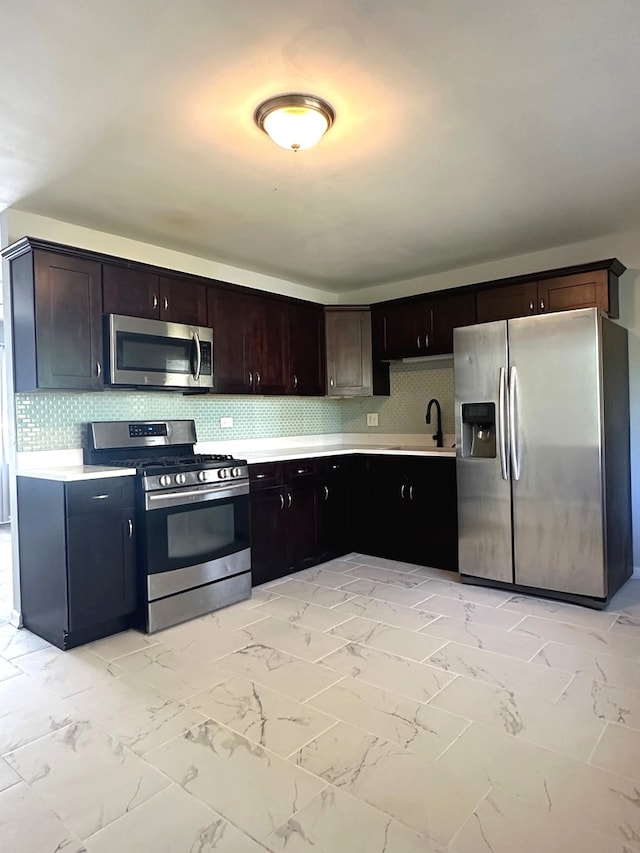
372 419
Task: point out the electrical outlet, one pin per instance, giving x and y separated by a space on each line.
226 423
372 419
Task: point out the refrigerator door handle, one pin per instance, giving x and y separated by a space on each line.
502 425
513 435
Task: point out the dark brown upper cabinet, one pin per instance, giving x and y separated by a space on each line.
250 342
595 287
57 320
420 327
138 292
504 303
349 357
306 350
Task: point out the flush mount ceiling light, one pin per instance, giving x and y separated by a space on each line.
294 121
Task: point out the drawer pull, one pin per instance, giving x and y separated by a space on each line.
260 476
99 497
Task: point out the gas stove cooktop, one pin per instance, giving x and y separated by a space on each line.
161 452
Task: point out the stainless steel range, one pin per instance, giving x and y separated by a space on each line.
193 517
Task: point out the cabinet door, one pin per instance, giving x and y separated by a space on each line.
101 566
183 300
348 335
130 291
229 316
271 345
302 522
583 290
268 558
430 524
504 303
334 520
404 329
447 313
385 508
68 321
306 350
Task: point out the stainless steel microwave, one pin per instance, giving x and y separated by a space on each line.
155 354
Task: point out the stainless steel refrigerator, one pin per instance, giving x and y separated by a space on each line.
542 437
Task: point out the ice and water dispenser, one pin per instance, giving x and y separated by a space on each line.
479 430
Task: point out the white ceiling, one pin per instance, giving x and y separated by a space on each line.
466 131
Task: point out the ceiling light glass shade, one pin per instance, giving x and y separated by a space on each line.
295 122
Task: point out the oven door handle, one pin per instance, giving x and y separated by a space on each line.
191 496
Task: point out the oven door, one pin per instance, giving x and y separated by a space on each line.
194 536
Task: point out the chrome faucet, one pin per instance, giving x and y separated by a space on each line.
438 433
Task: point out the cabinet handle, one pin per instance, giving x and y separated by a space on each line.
426 341
418 341
99 497
257 378
289 500
260 476
402 492
542 304
281 501
335 467
331 382
295 381
250 378
165 303
130 524
410 493
98 369
326 493
155 300
531 305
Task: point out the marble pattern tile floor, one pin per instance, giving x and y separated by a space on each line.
363 706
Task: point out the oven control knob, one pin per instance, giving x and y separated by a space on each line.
202 476
181 479
165 480
236 472
223 473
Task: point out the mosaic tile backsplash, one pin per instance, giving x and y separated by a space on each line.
55 420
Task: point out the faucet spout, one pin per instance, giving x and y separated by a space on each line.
438 433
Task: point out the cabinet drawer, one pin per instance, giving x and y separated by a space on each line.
263 475
95 495
297 469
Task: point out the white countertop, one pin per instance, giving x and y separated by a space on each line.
66 465
301 452
72 473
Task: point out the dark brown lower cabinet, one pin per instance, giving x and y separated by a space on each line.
405 508
284 518
312 510
334 528
77 540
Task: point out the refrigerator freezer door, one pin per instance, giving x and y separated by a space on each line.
558 499
484 496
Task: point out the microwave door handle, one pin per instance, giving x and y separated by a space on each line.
196 340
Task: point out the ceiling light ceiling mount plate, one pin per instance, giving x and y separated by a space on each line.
294 121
